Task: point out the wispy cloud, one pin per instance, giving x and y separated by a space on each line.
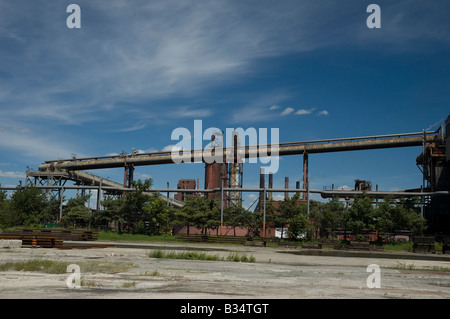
287 111
142 53
138 52
290 110
133 128
434 125
305 112
256 109
41 146
189 112
12 174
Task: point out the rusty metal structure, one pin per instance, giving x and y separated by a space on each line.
235 173
362 185
434 163
290 148
56 181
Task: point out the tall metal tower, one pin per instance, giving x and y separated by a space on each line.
235 173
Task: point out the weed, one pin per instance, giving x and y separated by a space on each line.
39 265
193 255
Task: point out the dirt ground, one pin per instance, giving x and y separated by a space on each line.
276 273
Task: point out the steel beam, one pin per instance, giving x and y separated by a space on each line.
255 151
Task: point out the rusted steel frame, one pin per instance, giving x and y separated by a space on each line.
248 152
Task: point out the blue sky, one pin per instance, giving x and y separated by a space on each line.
137 70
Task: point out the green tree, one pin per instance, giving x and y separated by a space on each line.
75 212
158 214
234 216
132 209
292 213
112 212
6 217
392 216
360 215
50 213
252 221
27 205
329 217
201 212
273 216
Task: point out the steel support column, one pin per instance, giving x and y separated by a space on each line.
305 175
127 176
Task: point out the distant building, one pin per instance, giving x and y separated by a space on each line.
185 184
361 185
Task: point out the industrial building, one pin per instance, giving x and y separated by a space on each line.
224 180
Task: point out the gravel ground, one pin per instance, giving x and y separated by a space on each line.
277 273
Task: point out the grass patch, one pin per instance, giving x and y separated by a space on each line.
194 255
105 267
128 285
114 236
404 266
154 273
399 246
58 267
188 255
408 247
37 265
241 258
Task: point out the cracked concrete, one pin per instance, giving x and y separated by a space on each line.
277 273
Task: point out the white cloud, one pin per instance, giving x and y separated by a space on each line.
188 112
255 109
441 121
287 111
133 128
304 111
148 150
142 176
324 112
38 146
12 174
169 148
146 51
143 51
344 187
